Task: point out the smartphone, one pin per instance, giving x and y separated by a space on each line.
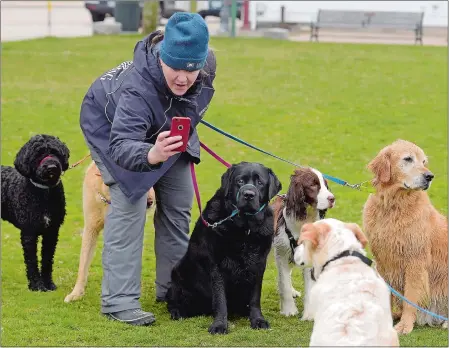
181 126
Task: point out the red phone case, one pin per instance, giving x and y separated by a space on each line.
181 126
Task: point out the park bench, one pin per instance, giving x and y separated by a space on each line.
368 20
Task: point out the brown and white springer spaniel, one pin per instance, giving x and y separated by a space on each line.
307 200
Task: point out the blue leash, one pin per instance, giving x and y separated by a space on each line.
331 178
359 187
415 305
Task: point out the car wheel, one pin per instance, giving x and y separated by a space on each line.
96 17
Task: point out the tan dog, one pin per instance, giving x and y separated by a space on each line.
96 200
408 236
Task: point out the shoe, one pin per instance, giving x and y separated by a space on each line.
135 317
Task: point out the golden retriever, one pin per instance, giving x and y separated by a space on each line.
96 200
407 235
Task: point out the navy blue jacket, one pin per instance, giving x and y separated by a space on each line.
127 107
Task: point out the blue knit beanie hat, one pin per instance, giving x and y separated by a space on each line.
185 43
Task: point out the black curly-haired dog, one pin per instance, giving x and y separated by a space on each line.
33 200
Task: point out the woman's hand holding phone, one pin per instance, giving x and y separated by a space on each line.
164 148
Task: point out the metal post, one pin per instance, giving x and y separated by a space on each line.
245 6
234 15
282 14
49 17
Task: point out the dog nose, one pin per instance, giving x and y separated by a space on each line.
249 195
331 199
429 176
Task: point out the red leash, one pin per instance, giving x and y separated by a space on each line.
195 182
214 155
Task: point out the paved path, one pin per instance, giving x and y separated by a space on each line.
26 20
433 38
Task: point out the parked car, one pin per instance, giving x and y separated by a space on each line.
215 7
99 9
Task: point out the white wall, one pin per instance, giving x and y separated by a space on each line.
185 5
435 12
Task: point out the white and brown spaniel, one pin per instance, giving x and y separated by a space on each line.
307 200
350 302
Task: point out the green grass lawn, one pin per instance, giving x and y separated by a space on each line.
331 106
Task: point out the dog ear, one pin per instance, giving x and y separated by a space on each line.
309 232
226 180
23 160
60 150
358 233
316 233
381 168
274 185
296 197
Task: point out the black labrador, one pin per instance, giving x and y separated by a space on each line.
222 270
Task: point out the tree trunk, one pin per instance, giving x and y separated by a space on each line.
150 16
193 6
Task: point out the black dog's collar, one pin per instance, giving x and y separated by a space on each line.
345 253
45 186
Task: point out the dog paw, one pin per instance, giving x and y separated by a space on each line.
73 296
403 328
296 293
50 286
175 314
259 323
218 327
289 310
37 285
444 326
306 316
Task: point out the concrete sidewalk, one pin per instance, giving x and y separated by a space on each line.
432 36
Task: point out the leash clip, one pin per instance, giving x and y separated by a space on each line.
359 187
354 186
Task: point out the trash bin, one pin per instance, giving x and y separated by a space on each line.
128 13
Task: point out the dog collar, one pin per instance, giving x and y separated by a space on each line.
235 212
345 253
44 186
